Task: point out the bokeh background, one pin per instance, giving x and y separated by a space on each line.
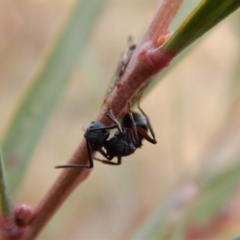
194 111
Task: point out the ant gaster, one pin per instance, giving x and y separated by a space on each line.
128 137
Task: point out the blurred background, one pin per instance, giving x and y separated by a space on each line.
194 111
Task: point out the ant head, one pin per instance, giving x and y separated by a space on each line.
96 135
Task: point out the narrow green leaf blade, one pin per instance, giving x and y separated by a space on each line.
205 16
6 206
45 88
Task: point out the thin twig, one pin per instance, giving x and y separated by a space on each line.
161 19
63 186
147 60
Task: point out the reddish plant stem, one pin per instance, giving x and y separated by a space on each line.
165 12
63 186
147 60
10 231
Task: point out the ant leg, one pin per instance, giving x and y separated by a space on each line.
116 125
119 161
135 137
79 165
112 117
153 139
145 135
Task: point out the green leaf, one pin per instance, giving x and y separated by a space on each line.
205 16
6 206
45 88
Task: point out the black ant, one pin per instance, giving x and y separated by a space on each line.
125 141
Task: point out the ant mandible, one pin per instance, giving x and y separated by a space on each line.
125 141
